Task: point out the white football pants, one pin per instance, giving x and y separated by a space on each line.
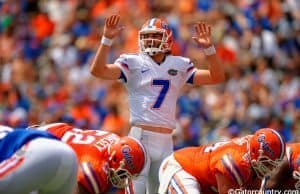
173 179
158 146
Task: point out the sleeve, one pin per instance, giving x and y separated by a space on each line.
123 63
190 71
234 168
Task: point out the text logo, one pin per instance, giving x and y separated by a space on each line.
265 145
128 157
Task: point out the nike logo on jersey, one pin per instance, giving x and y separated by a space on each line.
145 70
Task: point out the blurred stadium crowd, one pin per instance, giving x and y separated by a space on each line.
46 48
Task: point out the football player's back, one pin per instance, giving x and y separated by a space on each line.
90 147
228 157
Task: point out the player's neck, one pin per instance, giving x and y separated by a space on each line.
159 58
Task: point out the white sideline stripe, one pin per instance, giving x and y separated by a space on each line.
151 23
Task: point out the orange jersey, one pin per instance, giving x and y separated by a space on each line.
230 158
91 150
293 156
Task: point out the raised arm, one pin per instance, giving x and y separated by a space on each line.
99 68
215 74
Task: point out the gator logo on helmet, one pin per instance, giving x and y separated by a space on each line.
265 145
128 157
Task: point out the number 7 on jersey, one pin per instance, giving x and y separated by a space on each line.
165 85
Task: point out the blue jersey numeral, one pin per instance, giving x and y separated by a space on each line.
165 84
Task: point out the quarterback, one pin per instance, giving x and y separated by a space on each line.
154 78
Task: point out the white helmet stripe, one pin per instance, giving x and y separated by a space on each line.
152 22
282 144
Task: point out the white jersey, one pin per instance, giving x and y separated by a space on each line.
153 89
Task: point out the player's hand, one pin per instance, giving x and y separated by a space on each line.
203 35
111 28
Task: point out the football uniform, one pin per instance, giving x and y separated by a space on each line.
50 163
90 147
153 90
230 158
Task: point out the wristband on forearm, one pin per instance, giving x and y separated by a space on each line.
106 41
210 50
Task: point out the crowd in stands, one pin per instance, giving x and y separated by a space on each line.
46 48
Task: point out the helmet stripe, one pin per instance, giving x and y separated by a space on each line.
152 22
282 144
